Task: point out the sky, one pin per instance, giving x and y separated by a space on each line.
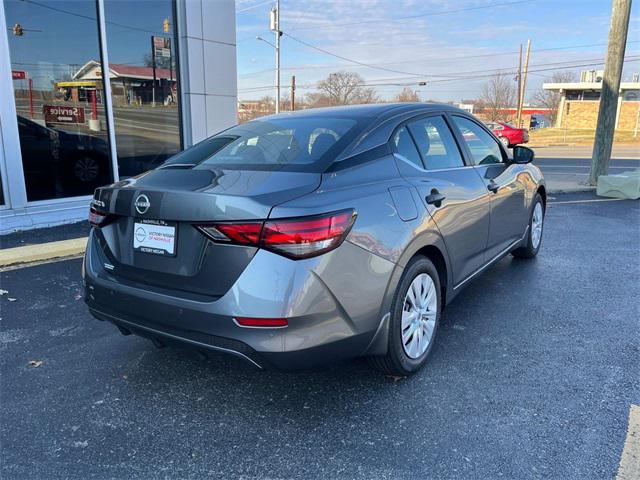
404 41
433 41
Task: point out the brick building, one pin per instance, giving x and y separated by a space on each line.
579 104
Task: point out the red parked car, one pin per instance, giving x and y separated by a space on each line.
509 135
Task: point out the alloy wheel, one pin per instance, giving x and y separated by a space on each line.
419 315
536 225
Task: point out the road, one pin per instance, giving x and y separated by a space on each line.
532 376
568 167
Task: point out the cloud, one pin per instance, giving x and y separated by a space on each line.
437 47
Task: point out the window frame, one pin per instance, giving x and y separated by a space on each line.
405 123
467 150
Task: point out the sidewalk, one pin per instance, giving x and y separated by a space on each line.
34 246
568 183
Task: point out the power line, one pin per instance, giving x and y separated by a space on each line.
253 6
450 80
374 66
295 39
438 60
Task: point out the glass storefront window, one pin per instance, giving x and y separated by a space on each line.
141 43
61 117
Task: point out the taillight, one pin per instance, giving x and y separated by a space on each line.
295 238
96 217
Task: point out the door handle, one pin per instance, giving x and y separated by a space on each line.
493 186
435 198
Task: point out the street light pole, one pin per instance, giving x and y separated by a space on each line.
275 27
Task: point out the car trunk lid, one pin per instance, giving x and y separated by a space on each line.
174 201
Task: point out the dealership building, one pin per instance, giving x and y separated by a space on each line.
96 91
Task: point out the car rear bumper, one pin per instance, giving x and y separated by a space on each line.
323 323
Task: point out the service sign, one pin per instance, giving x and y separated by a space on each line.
63 114
18 74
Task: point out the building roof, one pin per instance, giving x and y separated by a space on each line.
560 87
92 70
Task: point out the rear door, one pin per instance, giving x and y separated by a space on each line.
451 191
505 181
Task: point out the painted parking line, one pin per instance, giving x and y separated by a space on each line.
594 200
629 467
543 166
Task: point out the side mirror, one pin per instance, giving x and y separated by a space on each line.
523 154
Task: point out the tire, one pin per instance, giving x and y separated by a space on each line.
505 142
534 235
406 357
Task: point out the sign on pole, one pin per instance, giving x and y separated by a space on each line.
18 74
162 46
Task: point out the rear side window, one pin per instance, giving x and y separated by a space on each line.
307 144
405 146
484 148
436 144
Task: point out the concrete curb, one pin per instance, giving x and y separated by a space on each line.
570 190
42 251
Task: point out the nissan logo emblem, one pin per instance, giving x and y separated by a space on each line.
142 204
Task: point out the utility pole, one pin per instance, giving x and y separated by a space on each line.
293 92
618 29
153 66
523 87
275 27
519 79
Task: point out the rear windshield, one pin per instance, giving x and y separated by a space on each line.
298 144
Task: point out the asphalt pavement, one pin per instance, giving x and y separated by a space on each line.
532 376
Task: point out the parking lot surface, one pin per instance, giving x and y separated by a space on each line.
532 376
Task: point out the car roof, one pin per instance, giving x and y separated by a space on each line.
372 110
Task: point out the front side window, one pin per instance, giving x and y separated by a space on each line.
436 143
484 148
289 144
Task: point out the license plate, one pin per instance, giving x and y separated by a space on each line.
154 236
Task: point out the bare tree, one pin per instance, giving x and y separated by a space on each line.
342 88
407 95
549 99
497 95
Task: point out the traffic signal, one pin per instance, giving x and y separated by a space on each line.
18 31
165 25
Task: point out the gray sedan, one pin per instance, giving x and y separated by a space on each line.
313 236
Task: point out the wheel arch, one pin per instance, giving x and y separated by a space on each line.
543 193
436 256
430 246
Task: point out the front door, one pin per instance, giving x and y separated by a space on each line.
504 180
452 192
